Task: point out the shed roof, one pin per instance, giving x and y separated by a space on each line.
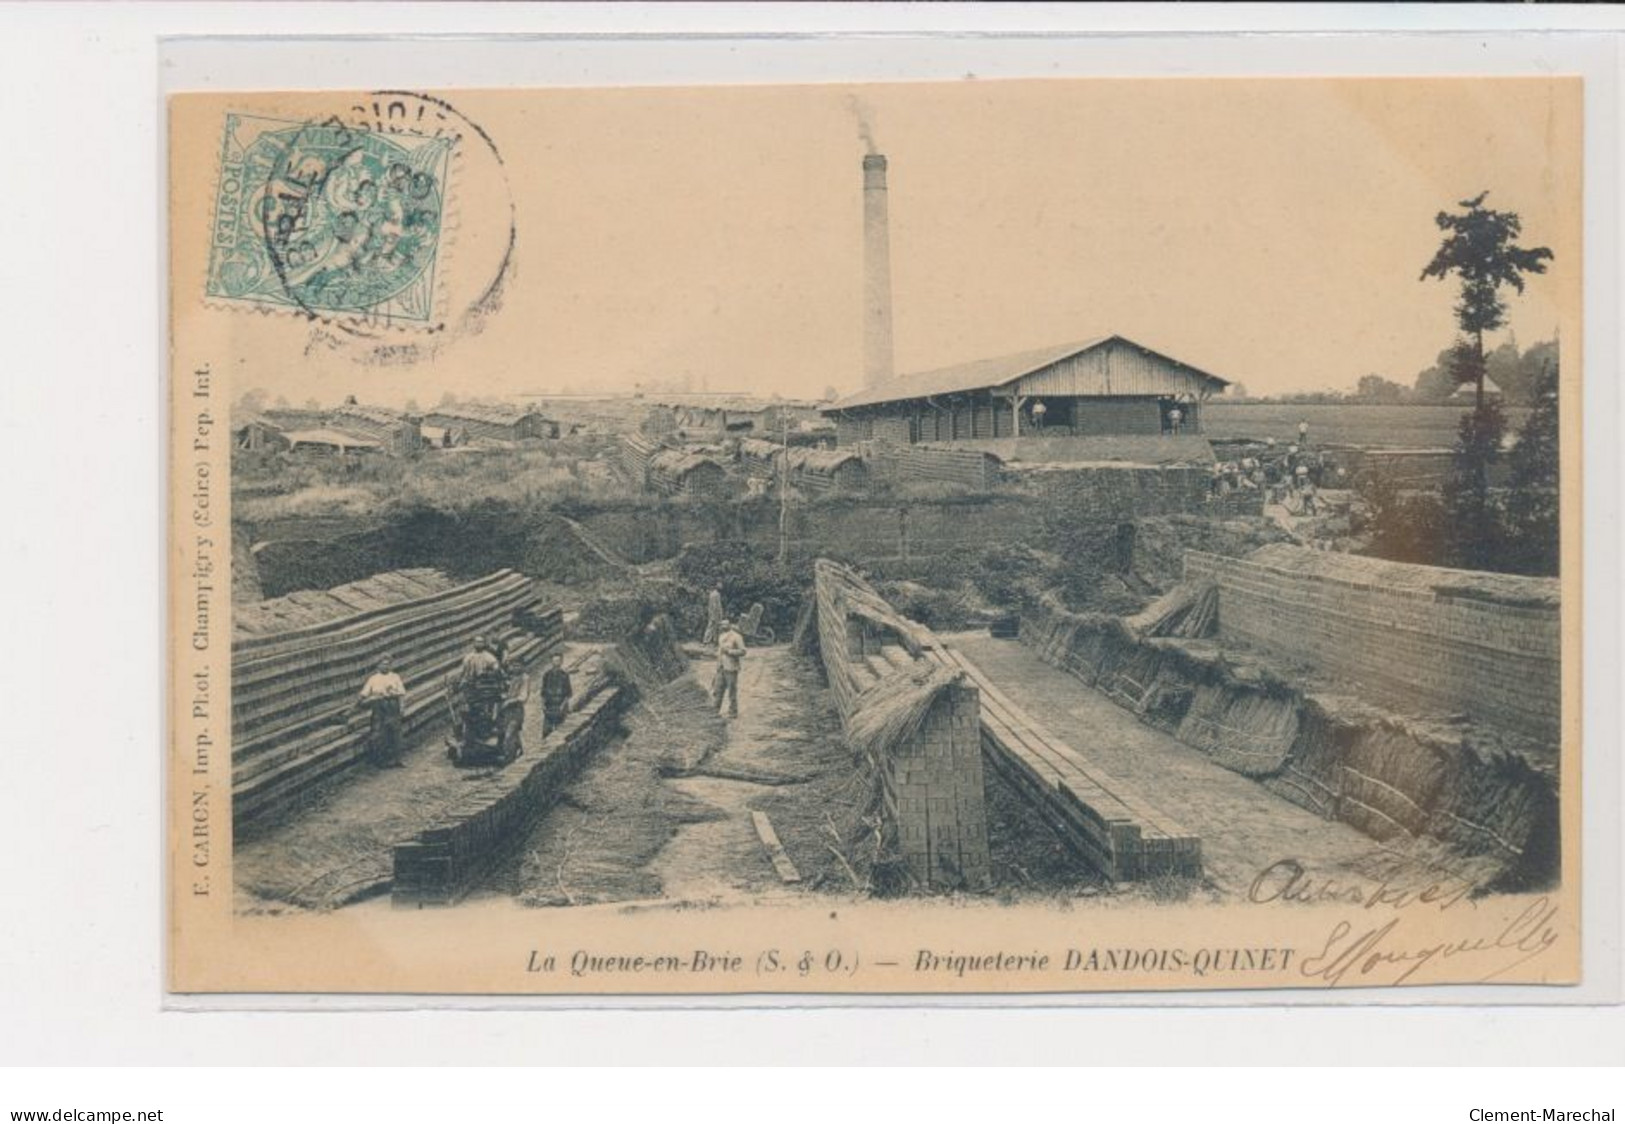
678 463
492 413
821 460
733 403
378 415
334 437
292 417
756 447
987 373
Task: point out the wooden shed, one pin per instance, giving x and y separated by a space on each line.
633 456
759 459
674 472
492 422
399 433
828 470
258 434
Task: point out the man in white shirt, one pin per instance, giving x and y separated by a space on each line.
730 656
383 695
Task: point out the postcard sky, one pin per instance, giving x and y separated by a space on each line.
1271 232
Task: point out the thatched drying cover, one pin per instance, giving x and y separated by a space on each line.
891 712
1190 610
821 460
859 599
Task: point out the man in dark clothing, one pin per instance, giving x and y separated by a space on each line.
556 693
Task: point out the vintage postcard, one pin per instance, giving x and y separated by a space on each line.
1007 537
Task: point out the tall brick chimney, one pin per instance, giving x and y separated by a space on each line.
877 350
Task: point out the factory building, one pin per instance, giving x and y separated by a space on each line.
1102 387
1109 386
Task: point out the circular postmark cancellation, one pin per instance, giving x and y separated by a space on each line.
348 220
352 220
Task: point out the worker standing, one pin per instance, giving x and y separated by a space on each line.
1309 492
556 693
730 657
1175 417
1303 433
384 696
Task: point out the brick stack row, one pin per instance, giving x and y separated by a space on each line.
1420 639
453 852
294 723
972 469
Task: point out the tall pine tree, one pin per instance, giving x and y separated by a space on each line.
1480 248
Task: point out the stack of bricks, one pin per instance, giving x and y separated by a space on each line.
934 799
937 785
971 469
967 468
1415 638
1121 492
633 457
450 855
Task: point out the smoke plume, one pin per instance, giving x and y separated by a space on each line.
866 124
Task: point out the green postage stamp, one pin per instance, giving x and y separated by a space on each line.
328 219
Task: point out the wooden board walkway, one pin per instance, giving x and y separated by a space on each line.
1107 822
1243 826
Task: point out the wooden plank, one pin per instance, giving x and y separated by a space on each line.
1054 748
775 850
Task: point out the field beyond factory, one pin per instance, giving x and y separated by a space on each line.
1414 426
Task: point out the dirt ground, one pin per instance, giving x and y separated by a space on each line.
597 842
667 813
1243 826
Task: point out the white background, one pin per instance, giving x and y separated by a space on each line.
81 277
